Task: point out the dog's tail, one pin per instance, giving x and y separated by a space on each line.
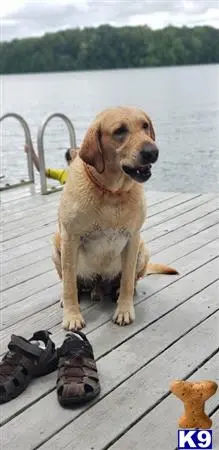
160 268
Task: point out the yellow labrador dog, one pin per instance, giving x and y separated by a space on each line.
102 210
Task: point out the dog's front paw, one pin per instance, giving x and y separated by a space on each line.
124 315
72 321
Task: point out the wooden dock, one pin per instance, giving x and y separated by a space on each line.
175 334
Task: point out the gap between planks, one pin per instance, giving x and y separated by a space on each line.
49 218
152 211
119 379
181 233
45 264
20 246
11 224
191 204
32 307
108 337
164 416
132 397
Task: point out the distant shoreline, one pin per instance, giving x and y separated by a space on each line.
108 70
110 48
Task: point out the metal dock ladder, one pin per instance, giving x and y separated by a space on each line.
40 146
28 141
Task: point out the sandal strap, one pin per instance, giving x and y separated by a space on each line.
42 335
25 347
77 361
78 372
83 337
24 361
70 390
77 388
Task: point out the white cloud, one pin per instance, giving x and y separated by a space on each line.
22 18
162 19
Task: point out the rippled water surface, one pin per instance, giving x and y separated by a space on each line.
182 101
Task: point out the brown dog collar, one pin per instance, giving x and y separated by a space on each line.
99 185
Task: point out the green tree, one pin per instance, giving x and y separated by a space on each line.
107 47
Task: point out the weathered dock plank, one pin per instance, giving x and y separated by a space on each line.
174 335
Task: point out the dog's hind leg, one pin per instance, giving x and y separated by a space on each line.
56 257
142 261
111 288
114 288
144 267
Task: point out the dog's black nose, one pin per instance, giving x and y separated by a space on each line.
149 154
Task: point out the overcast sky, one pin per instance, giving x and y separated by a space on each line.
21 18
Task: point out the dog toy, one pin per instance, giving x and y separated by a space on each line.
194 396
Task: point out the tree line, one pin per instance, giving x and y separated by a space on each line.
107 47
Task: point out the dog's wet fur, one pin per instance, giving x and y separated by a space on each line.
98 246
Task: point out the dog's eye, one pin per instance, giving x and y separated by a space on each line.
120 131
145 126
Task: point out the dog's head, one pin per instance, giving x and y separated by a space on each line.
121 138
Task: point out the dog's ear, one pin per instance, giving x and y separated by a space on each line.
91 151
151 128
152 132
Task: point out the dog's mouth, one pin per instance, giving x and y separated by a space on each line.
139 174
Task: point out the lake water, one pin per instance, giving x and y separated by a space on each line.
183 103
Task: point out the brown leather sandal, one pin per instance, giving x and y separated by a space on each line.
78 380
25 360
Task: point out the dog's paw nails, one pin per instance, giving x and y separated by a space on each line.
61 303
73 322
124 317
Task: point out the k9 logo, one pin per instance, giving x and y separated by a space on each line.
194 439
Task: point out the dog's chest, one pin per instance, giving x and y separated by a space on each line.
105 241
